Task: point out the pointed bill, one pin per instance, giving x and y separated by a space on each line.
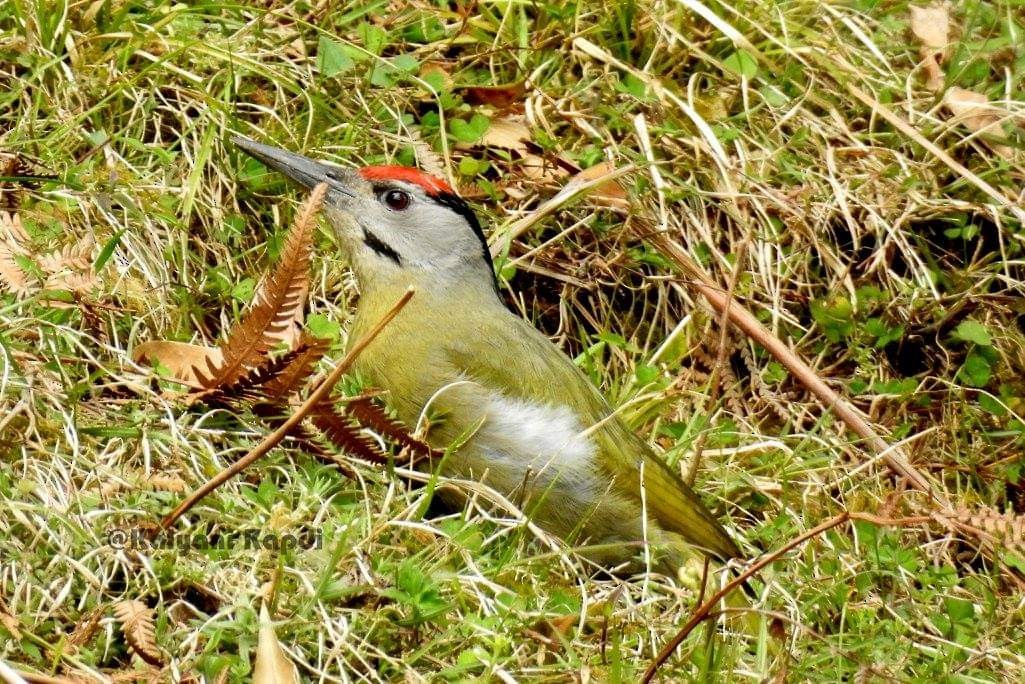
303 170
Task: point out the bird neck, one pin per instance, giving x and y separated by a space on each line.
441 300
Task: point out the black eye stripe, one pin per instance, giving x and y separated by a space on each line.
381 247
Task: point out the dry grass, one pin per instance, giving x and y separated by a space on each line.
883 241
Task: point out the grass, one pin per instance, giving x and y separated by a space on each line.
893 272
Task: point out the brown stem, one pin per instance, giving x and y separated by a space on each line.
270 441
746 322
702 611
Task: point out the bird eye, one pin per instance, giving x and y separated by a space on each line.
396 199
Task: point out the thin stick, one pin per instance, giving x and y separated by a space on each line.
270 441
746 322
705 608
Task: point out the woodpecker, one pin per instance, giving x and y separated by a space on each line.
525 419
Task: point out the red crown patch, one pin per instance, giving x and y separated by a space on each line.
432 185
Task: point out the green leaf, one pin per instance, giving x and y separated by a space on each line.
991 405
619 342
373 37
1015 561
331 58
468 166
959 610
243 290
774 372
742 64
108 251
973 331
407 63
976 370
409 579
469 131
321 326
645 374
834 315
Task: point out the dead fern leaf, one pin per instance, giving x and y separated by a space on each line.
9 621
86 628
338 429
13 232
274 311
15 279
994 529
137 624
373 416
309 351
70 268
11 165
12 239
291 329
76 257
273 380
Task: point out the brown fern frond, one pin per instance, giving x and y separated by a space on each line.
274 311
372 415
11 165
137 624
12 245
339 430
86 627
992 528
291 377
251 386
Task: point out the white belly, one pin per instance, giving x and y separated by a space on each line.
542 459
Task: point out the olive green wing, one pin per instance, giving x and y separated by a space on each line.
511 354
667 498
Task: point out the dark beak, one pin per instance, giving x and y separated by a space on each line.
301 169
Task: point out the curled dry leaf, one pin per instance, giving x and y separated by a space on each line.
271 665
498 96
512 134
975 112
181 359
137 624
508 134
931 26
971 109
609 193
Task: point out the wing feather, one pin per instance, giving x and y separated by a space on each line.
540 372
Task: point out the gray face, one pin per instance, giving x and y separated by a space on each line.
391 228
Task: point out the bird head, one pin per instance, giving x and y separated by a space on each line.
398 225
